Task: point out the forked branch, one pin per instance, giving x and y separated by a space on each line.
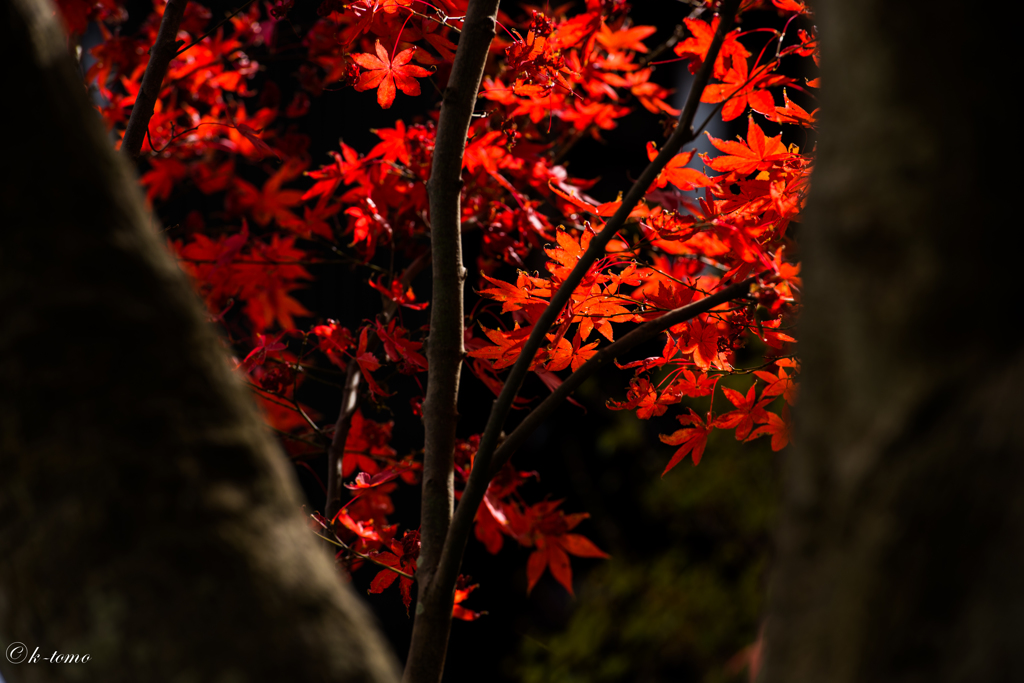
444 579
160 56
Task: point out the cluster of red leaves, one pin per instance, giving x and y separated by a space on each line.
681 252
214 142
541 526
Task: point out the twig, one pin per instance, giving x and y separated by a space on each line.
160 55
342 544
350 395
212 30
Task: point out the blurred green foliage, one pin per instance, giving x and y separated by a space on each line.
681 597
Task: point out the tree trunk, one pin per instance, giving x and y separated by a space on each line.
901 549
146 519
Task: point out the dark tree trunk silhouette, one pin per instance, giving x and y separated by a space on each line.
146 519
902 544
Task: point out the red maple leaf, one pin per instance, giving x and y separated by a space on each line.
386 73
690 440
462 591
702 341
675 171
758 153
781 385
554 544
403 557
748 411
738 90
778 427
367 364
366 444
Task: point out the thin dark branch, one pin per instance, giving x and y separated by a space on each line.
645 332
350 396
160 56
676 36
209 33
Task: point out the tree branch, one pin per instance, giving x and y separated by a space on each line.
645 332
160 56
682 134
445 350
451 556
350 396
476 487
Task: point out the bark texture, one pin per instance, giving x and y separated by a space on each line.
445 349
146 519
902 544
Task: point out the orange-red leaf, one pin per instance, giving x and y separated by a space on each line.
387 74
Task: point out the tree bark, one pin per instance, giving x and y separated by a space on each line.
901 549
146 519
445 349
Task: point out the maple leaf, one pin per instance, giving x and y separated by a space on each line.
625 39
347 168
367 364
573 355
271 202
386 74
401 350
334 341
162 177
367 443
702 341
315 220
777 426
403 296
508 347
490 523
793 113
758 153
554 544
693 385
393 145
791 6
402 556
644 397
362 529
699 42
462 591
739 90
748 412
258 355
365 480
675 171
523 294
691 440
780 385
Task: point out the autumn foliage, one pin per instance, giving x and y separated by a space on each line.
222 136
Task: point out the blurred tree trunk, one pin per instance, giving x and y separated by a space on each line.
901 552
145 517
